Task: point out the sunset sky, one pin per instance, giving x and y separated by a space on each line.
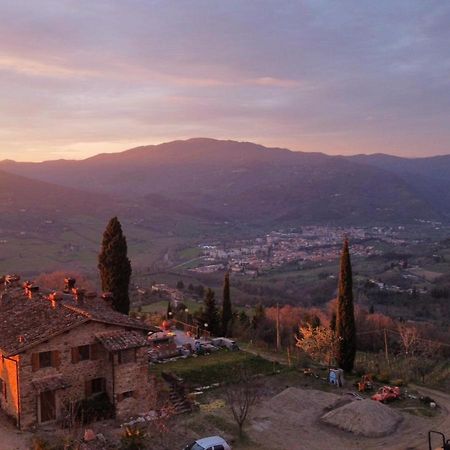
351 76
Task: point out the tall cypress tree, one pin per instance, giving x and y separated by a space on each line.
345 317
227 313
211 313
169 314
114 266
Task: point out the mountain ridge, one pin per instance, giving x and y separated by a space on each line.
251 183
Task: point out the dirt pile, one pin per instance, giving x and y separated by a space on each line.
294 399
364 418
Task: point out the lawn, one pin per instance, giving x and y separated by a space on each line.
161 307
219 367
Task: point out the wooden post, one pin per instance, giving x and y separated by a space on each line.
278 328
386 350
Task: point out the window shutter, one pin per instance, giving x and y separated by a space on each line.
88 388
56 360
119 398
35 362
75 355
95 351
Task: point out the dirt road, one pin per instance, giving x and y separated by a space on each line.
294 424
11 438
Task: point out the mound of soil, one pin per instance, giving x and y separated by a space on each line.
295 399
364 418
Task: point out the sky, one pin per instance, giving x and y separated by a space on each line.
81 77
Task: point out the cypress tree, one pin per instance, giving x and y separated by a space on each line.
259 315
211 313
227 313
114 266
169 314
345 318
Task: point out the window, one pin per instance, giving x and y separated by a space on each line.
98 385
127 356
124 395
45 359
85 353
94 386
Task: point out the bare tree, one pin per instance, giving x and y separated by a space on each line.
242 395
320 343
410 338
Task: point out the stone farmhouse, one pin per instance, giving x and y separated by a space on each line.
58 348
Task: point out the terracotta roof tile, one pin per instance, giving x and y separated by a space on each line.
26 322
50 383
117 340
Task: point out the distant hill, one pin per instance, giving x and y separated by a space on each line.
428 178
20 194
249 183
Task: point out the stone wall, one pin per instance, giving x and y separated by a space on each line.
127 377
9 394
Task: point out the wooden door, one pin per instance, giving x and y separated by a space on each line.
47 406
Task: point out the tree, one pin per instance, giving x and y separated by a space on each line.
242 395
180 285
345 316
169 314
114 266
200 290
317 342
258 316
211 313
227 313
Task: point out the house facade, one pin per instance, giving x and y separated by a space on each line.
58 349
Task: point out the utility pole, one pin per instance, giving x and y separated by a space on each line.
386 350
278 328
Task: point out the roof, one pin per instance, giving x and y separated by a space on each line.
27 322
210 441
117 340
50 383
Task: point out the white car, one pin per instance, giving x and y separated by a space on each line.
209 443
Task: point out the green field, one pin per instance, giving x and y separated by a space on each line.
161 307
219 367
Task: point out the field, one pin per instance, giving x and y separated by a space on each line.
218 367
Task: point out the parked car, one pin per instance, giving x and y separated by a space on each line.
225 343
209 443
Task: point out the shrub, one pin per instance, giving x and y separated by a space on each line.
133 438
98 407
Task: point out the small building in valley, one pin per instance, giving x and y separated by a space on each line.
59 349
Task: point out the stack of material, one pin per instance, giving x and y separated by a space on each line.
364 418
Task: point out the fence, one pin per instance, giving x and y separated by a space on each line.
194 330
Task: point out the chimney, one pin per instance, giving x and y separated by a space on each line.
54 298
79 294
11 280
108 298
69 284
31 289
